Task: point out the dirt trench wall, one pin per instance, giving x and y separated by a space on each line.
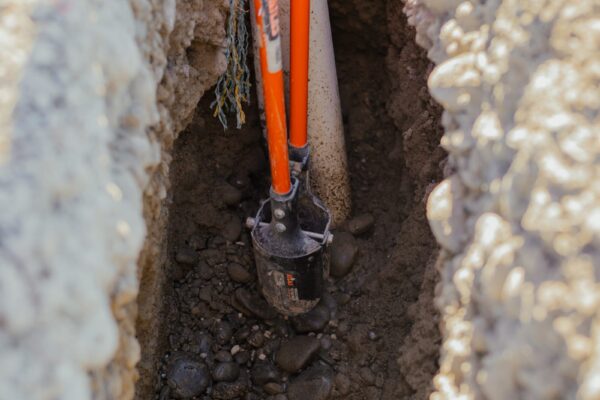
93 95
519 215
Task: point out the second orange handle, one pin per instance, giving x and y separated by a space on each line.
299 50
267 21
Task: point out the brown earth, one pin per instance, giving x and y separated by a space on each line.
382 339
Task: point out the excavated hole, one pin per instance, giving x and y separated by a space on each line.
381 340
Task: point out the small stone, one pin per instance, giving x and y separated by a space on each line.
343 253
239 274
264 372
223 332
313 321
253 305
226 372
273 388
232 229
256 339
361 224
187 376
242 357
372 335
315 383
367 376
343 298
294 354
223 356
186 255
235 349
326 342
205 294
205 271
230 195
342 384
205 342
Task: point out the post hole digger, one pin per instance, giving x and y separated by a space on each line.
290 233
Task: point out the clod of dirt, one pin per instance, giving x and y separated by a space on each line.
226 372
361 224
343 253
230 195
239 274
264 372
187 376
295 353
313 321
315 384
342 384
232 229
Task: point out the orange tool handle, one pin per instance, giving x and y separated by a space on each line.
299 46
267 21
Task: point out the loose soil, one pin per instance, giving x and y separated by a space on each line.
375 334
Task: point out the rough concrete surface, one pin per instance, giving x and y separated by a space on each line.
86 134
519 216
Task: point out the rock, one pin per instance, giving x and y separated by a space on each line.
361 224
343 253
367 376
232 230
223 332
294 354
264 372
197 242
256 339
242 357
226 372
187 375
313 321
239 274
205 342
205 294
230 195
314 384
223 356
342 384
273 388
253 305
186 256
326 342
205 271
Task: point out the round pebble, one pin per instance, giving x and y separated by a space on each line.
343 254
361 224
239 274
187 376
226 372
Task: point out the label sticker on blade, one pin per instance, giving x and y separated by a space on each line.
270 18
292 290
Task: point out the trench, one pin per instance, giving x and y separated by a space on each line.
375 334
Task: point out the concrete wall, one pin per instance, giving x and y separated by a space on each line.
92 96
519 215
